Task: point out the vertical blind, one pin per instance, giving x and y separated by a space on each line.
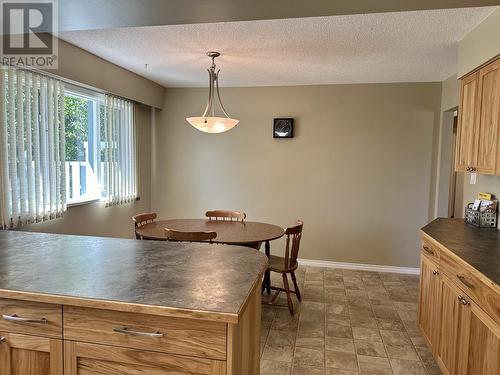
119 174
32 148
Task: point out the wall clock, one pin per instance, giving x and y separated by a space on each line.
283 128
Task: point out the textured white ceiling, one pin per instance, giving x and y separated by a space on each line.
415 46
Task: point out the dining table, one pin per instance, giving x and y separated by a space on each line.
229 232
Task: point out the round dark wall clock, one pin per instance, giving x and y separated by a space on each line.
283 128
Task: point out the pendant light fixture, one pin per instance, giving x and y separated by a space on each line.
209 122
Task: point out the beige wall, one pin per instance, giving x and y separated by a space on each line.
82 66
358 171
480 45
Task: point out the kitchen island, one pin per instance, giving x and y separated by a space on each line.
459 313
80 305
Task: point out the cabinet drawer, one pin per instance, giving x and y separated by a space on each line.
430 249
86 359
141 331
486 296
31 318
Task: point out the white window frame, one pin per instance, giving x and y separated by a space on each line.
97 99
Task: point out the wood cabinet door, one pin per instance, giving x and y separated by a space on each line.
430 301
487 131
91 359
467 122
455 316
483 345
30 355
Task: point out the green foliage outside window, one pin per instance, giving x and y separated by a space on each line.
76 117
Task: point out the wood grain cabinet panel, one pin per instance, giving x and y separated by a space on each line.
458 315
478 143
488 132
454 316
30 355
90 359
430 301
483 347
51 315
176 335
467 122
483 292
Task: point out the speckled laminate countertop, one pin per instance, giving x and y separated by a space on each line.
211 281
479 247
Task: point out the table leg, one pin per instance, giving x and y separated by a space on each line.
267 275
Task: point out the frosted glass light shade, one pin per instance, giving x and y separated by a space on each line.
212 124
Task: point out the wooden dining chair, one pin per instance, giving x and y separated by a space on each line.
142 219
288 264
226 215
182 236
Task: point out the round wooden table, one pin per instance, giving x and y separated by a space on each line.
247 233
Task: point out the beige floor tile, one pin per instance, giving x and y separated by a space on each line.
336 371
309 357
337 308
367 334
301 370
363 321
374 365
395 337
378 310
402 352
285 324
339 344
310 342
370 348
341 360
268 367
405 367
338 319
355 310
339 330
393 324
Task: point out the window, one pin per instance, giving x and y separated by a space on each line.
82 124
100 148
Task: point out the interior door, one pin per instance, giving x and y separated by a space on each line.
455 318
91 359
30 355
467 122
430 301
487 132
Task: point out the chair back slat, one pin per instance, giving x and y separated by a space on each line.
176 235
226 215
142 219
293 237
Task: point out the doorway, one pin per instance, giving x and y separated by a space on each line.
450 183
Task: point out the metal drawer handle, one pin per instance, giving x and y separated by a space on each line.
429 251
464 281
463 301
17 319
2 339
127 331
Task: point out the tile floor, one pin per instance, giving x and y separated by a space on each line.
349 322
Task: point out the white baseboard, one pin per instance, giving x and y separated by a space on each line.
359 266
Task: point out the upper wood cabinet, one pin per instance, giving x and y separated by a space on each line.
478 147
489 118
467 120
